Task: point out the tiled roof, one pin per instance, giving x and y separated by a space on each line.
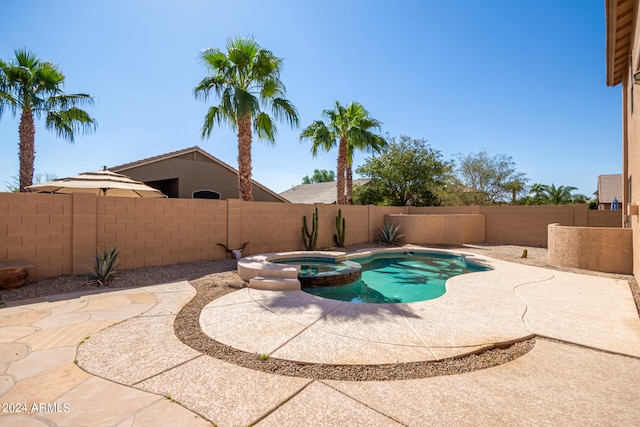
169 155
609 186
321 192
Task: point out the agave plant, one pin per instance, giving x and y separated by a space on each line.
389 234
106 264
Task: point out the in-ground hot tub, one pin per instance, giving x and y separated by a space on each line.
263 271
316 272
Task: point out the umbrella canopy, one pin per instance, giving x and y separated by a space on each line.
100 183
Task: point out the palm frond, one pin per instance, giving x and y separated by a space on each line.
264 127
19 74
65 101
283 109
215 116
56 122
7 100
214 59
65 123
245 103
26 58
321 136
48 77
269 89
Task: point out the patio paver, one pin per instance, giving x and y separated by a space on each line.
555 383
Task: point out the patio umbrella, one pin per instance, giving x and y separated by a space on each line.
100 183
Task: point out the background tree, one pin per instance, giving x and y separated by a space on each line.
246 80
14 185
488 179
34 87
516 187
536 194
350 128
319 176
552 195
408 172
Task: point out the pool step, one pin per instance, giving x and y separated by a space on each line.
274 284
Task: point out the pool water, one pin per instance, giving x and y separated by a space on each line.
400 278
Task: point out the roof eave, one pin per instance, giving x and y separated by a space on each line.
619 19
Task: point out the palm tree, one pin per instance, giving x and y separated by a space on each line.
246 79
349 127
34 87
515 186
557 196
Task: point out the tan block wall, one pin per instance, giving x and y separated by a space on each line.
278 227
445 210
59 234
84 231
605 218
38 228
527 225
270 227
151 232
595 248
454 229
357 224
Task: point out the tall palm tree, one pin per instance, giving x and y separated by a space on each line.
246 80
34 87
350 128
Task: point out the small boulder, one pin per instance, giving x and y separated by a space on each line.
13 274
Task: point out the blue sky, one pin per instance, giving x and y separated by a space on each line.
514 77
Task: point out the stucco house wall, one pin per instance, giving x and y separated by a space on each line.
181 173
623 61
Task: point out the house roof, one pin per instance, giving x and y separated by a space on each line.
619 33
609 186
321 192
195 150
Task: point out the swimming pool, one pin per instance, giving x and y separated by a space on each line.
400 277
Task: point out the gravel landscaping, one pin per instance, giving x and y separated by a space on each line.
213 279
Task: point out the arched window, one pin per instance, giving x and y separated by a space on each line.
206 194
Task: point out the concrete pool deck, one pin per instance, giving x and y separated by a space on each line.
133 370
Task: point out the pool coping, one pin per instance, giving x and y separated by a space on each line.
479 310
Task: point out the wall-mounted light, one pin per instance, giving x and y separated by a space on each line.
636 78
